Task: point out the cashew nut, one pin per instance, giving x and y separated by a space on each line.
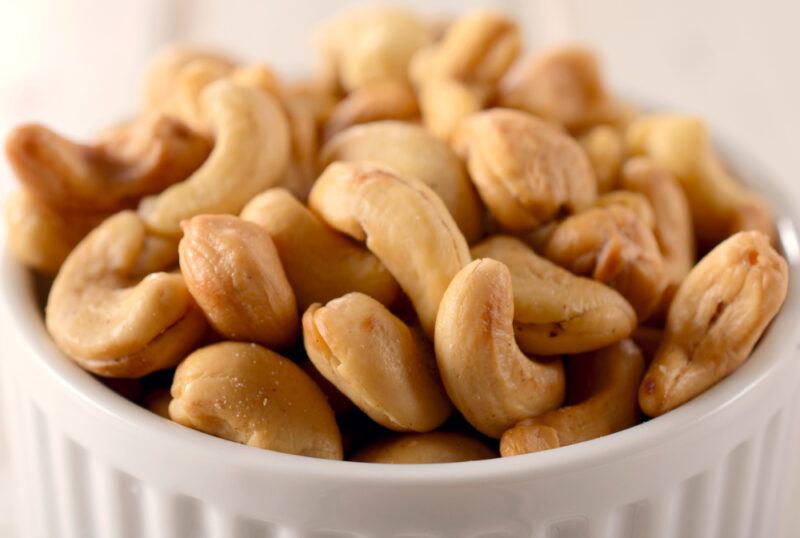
638 203
647 339
250 154
383 100
248 394
719 204
719 312
432 447
233 271
320 263
158 402
603 387
605 147
386 369
612 245
487 377
444 103
404 223
555 311
302 169
526 171
411 151
115 325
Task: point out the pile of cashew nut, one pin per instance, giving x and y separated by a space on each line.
436 249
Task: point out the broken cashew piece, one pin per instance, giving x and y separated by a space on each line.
321 264
486 375
432 447
250 154
526 171
115 325
556 312
404 223
233 271
377 361
603 387
718 314
248 394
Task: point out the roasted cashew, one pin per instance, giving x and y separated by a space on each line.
606 149
141 158
383 100
320 263
377 361
555 311
115 325
603 387
526 171
158 402
487 377
404 223
432 447
233 271
612 245
718 314
250 154
720 205
412 152
648 339
248 394
445 102
302 169
638 203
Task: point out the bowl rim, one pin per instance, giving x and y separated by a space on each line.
776 347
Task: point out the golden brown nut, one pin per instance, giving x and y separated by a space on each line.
638 203
111 323
603 389
302 169
719 312
233 271
158 402
526 171
648 339
445 102
142 158
487 377
720 205
386 369
612 245
555 311
412 152
605 147
390 99
432 447
320 263
248 394
404 223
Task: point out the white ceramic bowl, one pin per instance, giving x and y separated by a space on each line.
88 463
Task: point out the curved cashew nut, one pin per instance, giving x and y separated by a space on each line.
386 369
719 204
250 154
412 151
487 377
138 159
248 394
115 325
405 224
233 271
432 447
526 171
613 246
556 312
320 263
718 314
638 203
382 100
606 149
603 386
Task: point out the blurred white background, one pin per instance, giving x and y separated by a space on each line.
75 64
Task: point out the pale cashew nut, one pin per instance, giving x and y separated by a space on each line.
526 171
112 323
487 377
612 245
312 96
603 389
320 263
233 271
719 204
404 223
248 394
377 361
141 158
411 151
638 203
556 312
444 103
250 154
606 149
382 100
432 447
718 314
